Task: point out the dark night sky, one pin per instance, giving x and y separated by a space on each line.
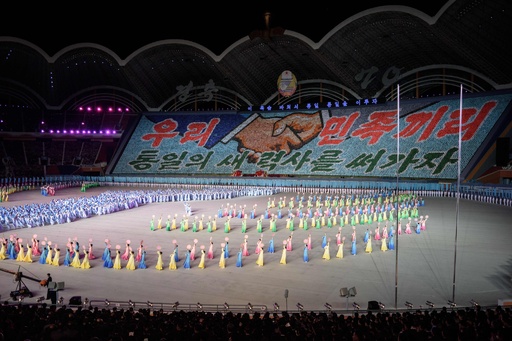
214 25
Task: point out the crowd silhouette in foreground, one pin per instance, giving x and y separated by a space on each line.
59 323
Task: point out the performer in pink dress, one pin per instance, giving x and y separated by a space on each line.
193 250
289 244
408 227
35 246
91 254
245 249
140 249
210 250
127 250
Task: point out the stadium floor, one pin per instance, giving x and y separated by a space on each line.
464 254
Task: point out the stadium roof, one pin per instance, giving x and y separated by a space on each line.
147 61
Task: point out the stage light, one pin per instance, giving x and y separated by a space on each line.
149 304
474 303
356 306
175 305
328 306
226 306
61 300
199 305
276 307
40 299
249 306
107 302
409 305
300 306
130 302
382 306
430 304
452 304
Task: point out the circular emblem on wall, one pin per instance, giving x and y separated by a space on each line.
287 83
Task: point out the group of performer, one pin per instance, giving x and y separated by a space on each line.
335 214
47 190
61 211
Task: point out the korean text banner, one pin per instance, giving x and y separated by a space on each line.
343 142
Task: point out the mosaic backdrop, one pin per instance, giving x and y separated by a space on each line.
350 141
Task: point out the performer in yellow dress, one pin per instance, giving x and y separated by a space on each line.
49 258
85 262
327 254
3 250
222 261
369 244
283 255
117 260
172 263
131 261
76 260
203 256
20 257
56 257
384 245
259 261
159 263
339 254
28 255
201 226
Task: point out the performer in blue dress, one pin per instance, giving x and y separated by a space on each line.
306 252
391 244
186 264
271 246
239 259
354 247
142 262
366 236
108 260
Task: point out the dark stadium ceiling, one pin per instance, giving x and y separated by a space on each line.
57 58
211 24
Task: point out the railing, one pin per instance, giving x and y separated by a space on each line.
251 309
176 306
